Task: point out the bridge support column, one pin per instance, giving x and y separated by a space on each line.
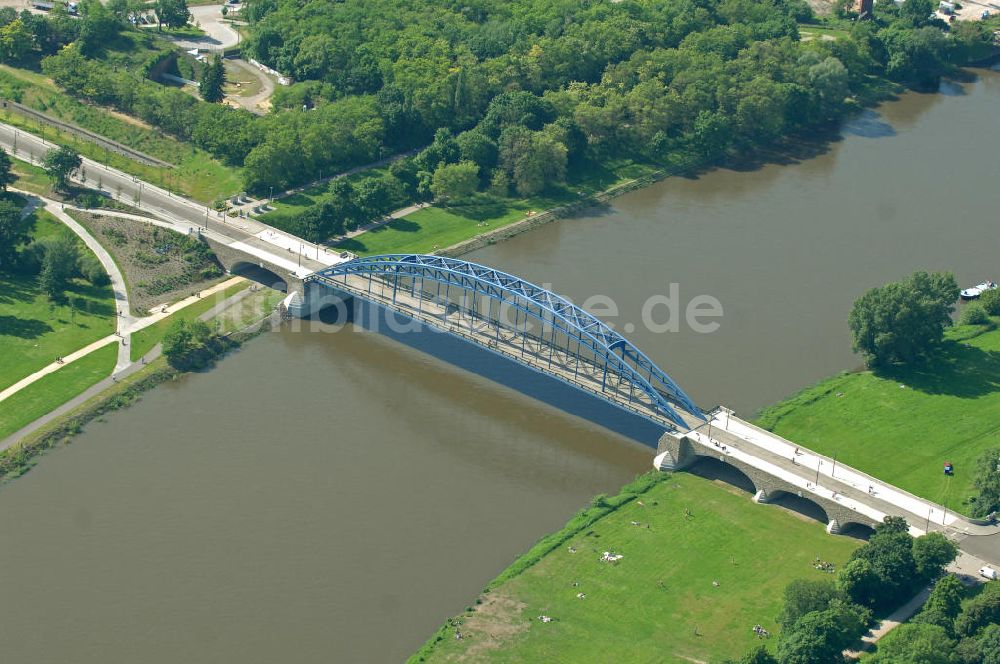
833 527
307 299
761 497
674 452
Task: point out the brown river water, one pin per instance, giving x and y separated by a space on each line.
333 497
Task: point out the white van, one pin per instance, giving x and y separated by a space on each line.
988 572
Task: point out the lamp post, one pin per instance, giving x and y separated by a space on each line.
834 469
818 464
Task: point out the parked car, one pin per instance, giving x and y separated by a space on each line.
988 572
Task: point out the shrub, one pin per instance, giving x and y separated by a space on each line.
990 301
93 271
974 314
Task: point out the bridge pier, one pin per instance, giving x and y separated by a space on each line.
677 451
674 452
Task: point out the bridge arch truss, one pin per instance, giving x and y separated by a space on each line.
525 322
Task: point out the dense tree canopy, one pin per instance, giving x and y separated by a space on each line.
905 320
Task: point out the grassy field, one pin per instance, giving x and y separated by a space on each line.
55 389
35 331
902 425
144 340
440 226
658 603
197 174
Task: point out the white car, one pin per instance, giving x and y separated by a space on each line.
988 572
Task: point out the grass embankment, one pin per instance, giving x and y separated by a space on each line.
902 424
442 225
20 458
57 388
658 603
34 331
196 175
144 340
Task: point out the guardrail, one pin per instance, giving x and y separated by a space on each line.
61 125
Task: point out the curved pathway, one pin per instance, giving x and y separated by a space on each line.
117 278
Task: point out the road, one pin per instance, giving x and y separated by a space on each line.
253 103
184 215
218 35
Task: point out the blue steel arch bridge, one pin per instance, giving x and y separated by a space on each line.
519 320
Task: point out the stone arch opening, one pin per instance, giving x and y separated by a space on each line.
802 505
713 469
262 275
861 531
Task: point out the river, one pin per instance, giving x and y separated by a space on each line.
332 497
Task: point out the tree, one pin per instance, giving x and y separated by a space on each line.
915 644
191 345
821 636
213 79
453 181
14 232
932 553
988 645
987 484
917 12
905 320
58 266
172 13
758 655
60 164
16 41
830 79
944 604
803 596
7 177
858 580
980 612
91 269
534 160
990 301
974 314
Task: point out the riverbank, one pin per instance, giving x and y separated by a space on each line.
902 424
21 451
701 565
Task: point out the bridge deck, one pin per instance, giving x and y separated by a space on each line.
821 477
520 347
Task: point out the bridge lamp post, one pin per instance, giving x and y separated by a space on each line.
834 469
818 465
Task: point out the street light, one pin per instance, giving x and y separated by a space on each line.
818 464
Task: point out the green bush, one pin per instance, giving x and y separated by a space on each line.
93 271
990 301
974 314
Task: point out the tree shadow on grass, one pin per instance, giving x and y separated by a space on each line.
353 245
25 328
957 369
480 209
14 290
401 225
297 200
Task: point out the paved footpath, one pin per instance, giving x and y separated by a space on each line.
98 388
126 329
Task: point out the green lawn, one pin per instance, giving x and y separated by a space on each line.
902 425
658 603
443 225
821 32
31 178
144 340
55 389
35 331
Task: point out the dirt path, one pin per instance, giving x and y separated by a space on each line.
255 103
